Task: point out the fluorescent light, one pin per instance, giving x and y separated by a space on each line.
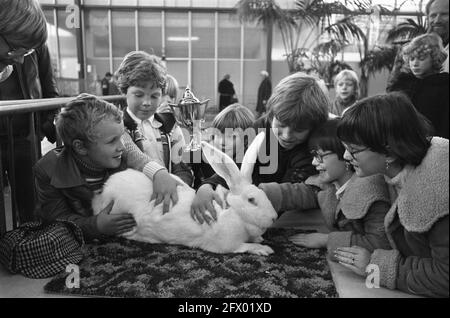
182 38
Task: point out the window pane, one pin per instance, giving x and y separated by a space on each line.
203 81
51 41
254 42
151 3
229 41
97 48
150 32
204 3
203 35
96 33
179 70
123 33
67 48
177 34
227 3
124 2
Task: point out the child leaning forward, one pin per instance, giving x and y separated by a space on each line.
95 147
353 208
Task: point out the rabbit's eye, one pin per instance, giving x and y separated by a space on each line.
252 201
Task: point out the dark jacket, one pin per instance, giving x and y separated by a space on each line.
63 193
280 164
264 92
356 219
429 95
226 91
417 228
31 80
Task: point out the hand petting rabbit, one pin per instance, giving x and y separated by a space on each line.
238 228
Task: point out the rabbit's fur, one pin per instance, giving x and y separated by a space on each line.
238 228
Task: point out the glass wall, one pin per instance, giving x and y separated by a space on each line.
150 32
200 40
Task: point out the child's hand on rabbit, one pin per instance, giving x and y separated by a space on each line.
114 224
203 202
164 189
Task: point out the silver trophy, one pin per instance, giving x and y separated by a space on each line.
190 114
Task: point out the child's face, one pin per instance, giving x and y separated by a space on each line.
143 101
364 161
106 151
345 89
229 142
421 66
330 167
287 137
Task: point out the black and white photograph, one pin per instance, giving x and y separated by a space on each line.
224 156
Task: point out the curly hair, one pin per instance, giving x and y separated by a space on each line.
139 68
79 117
423 45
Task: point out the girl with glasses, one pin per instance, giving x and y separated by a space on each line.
353 208
397 144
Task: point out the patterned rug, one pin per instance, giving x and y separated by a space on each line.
123 268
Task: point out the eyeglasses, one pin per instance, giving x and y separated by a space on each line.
16 53
319 157
354 152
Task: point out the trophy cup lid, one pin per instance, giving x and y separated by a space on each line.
189 97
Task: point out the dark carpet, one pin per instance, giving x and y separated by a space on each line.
123 268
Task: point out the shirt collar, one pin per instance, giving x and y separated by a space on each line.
152 121
340 190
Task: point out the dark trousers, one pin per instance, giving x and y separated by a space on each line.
24 181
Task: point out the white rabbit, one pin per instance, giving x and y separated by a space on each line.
238 228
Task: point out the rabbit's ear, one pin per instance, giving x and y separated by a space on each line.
223 165
248 163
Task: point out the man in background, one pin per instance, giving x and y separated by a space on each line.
264 92
106 83
226 92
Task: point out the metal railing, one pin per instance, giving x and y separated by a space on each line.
32 108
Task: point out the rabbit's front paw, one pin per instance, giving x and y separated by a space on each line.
254 248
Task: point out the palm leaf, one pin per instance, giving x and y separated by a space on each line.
260 11
405 31
378 59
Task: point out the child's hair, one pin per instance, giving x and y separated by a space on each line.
79 117
171 87
139 68
351 76
423 45
387 124
299 102
325 137
234 116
